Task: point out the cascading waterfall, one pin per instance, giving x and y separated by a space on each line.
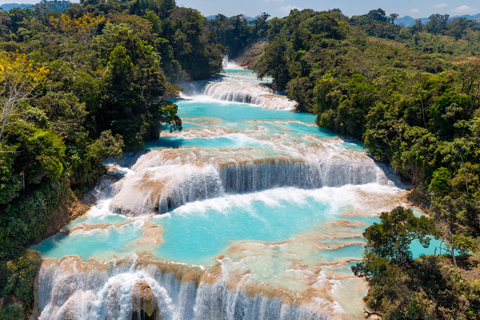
168 179
72 289
228 64
265 217
252 92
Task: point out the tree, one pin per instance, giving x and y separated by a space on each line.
378 15
393 17
470 74
400 287
10 181
440 180
155 20
449 108
389 241
82 29
76 32
274 63
121 89
261 24
18 78
65 114
106 146
325 26
448 213
437 23
457 27
166 8
366 64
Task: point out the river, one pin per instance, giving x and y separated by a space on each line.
250 212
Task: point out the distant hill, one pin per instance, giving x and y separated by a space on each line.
212 17
54 5
408 21
8 6
58 5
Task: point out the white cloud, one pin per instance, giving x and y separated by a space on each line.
441 5
288 8
462 9
414 10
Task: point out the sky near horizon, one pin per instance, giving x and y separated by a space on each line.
280 8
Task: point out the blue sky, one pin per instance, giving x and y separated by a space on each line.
413 8
280 8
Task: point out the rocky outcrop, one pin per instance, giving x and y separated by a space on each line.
144 300
252 53
65 213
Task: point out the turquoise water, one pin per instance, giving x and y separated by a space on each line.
205 115
238 112
281 236
103 243
196 238
199 231
237 70
231 141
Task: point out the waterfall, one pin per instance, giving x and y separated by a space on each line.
252 92
282 213
229 64
167 179
72 289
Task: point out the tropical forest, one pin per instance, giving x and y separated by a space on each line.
156 163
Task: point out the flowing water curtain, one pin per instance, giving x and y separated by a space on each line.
167 179
70 288
249 91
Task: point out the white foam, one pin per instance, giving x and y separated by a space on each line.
352 195
66 293
242 88
227 63
167 179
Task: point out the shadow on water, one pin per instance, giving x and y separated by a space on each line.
165 142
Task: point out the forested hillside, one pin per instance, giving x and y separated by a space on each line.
78 87
412 96
236 33
91 82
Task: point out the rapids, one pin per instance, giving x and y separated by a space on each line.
251 212
238 86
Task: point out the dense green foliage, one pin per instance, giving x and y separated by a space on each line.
236 33
377 24
428 287
98 73
81 86
16 281
412 96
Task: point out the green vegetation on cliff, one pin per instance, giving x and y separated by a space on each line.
17 283
237 33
